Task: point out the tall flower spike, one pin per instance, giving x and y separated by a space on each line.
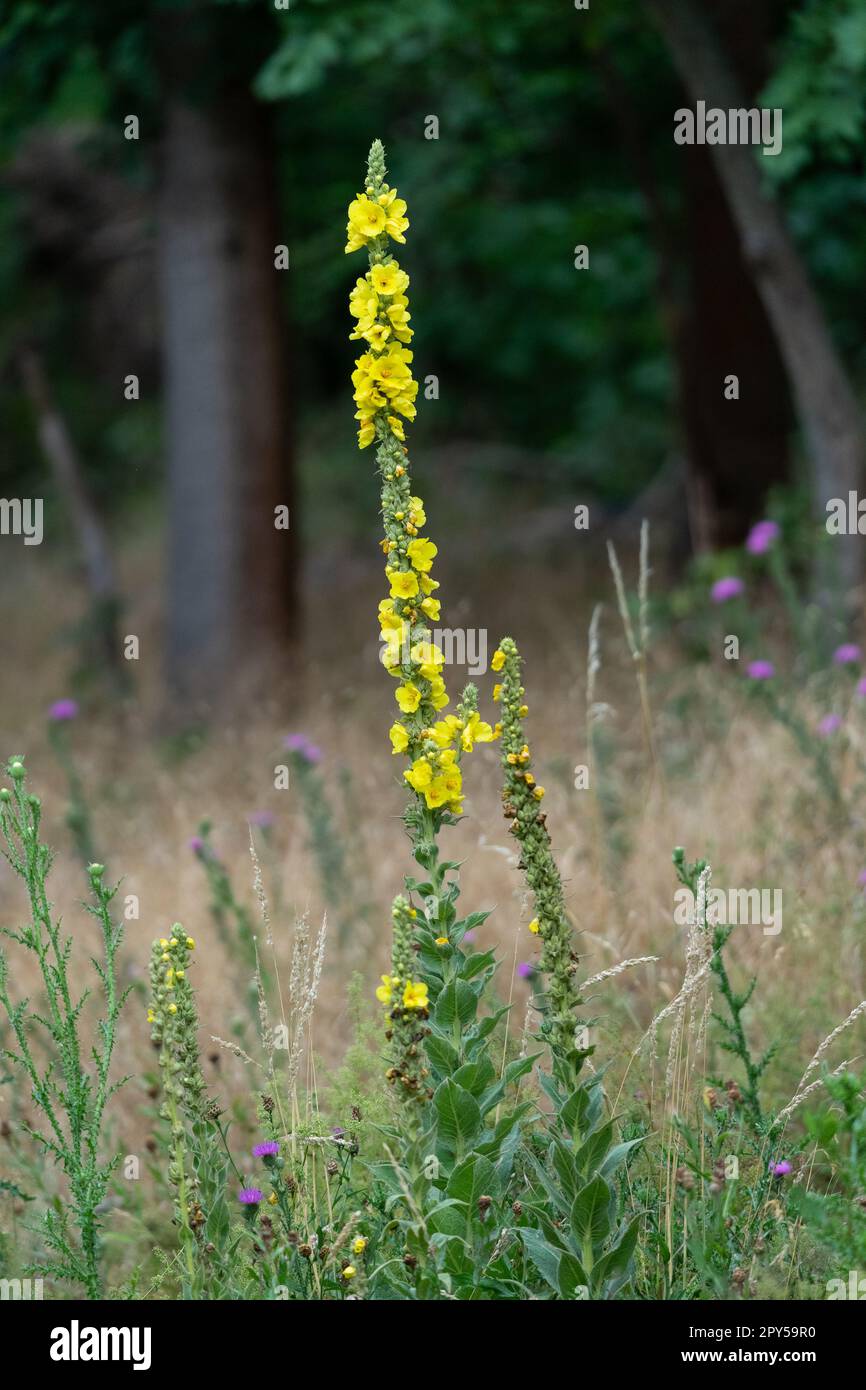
522 806
406 1009
385 391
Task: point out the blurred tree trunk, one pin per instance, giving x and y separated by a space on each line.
231 596
715 324
57 445
823 394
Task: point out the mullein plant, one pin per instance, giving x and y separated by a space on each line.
453 1171
198 1149
73 1088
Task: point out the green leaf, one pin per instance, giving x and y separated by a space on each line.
590 1155
456 1001
590 1212
443 1057
614 1268
473 1177
458 1114
544 1257
571 1275
617 1155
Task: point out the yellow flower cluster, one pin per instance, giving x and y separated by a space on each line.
384 391
414 992
384 386
374 215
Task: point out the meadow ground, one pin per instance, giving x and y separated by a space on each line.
730 785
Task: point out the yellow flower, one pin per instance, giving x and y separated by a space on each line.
419 775
418 514
367 220
421 554
415 995
476 731
163 941
443 730
427 584
442 941
396 426
497 691
359 1245
408 697
534 927
151 1016
190 943
348 1271
438 693
377 336
538 793
404 583
366 435
429 657
172 1008
399 738
436 794
497 661
383 993
430 607
396 222
389 279
273 1199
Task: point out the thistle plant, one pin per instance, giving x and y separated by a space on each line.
232 920
73 1088
61 714
734 1038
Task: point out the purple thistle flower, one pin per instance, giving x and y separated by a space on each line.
62 710
861 688
263 819
196 844
250 1196
300 744
829 725
761 537
338 1132
861 878
269 1149
780 1170
760 670
469 936
724 589
849 654
525 970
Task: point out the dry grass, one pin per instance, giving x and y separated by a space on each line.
742 799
